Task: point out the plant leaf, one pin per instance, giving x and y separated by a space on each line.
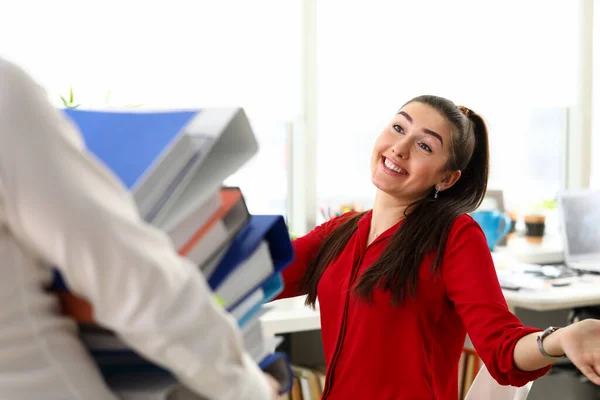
64 101
71 95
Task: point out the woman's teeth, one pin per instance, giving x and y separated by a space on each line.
394 167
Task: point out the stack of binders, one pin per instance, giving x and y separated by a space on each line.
174 164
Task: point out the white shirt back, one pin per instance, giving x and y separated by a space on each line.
60 207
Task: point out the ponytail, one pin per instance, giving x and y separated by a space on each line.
474 175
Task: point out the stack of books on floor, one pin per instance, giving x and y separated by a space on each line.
468 367
174 164
309 381
308 384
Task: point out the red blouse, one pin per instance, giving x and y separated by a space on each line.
376 351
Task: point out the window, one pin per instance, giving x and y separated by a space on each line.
480 54
187 54
595 150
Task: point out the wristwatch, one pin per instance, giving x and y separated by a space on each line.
540 341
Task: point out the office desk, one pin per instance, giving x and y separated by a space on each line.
585 291
549 251
290 315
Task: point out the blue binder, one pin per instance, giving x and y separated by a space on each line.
271 288
129 143
269 228
277 365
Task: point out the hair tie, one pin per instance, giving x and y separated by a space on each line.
465 111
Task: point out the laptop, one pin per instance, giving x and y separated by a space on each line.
579 213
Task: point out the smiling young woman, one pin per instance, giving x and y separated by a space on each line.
400 286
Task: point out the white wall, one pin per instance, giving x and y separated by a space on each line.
172 54
512 61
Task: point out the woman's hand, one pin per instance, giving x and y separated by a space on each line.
581 343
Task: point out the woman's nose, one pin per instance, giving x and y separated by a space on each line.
402 149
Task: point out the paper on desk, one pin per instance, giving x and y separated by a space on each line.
518 279
515 275
504 260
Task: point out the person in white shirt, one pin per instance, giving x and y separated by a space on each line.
60 207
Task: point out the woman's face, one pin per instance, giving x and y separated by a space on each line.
411 155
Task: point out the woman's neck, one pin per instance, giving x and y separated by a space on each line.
387 211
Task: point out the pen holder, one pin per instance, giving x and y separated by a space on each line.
332 212
535 226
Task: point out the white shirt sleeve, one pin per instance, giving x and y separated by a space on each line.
72 212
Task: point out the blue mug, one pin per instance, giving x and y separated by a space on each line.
495 225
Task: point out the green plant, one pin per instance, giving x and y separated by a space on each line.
293 236
543 207
71 102
546 205
107 97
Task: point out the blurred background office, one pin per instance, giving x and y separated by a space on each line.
320 79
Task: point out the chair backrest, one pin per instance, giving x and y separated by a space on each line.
486 387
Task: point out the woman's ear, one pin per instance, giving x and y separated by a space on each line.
449 179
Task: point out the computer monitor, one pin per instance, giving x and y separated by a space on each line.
579 213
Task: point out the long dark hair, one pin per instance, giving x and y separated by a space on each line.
427 221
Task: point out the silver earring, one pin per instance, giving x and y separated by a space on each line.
437 191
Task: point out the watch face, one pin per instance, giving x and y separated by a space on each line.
551 329
540 339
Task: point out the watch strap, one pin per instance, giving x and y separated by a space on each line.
540 341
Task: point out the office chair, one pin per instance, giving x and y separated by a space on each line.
486 387
581 313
